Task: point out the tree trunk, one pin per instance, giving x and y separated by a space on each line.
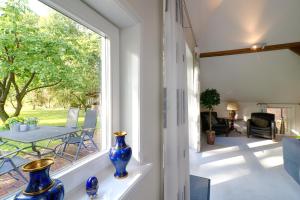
3 115
210 128
18 107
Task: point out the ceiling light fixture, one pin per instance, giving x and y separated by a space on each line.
259 46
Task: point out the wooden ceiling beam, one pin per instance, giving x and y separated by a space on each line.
296 50
295 46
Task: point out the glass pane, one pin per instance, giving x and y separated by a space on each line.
52 64
279 114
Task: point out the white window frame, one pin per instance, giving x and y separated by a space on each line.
81 13
84 15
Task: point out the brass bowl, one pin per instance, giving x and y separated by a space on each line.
38 165
120 133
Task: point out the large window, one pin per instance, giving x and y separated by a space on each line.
51 70
283 118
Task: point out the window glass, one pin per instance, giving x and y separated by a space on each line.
50 86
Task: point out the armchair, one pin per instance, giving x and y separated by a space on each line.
262 125
219 125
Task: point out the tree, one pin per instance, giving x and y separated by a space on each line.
210 98
38 53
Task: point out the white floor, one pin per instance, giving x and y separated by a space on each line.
243 168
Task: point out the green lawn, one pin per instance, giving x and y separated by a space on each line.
49 117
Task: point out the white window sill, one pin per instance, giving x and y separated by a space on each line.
99 165
111 188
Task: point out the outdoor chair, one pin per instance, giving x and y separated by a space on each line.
87 134
72 122
10 161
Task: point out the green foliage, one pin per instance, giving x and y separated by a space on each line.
13 120
41 52
31 120
210 98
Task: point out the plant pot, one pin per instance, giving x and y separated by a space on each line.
32 126
120 155
15 127
23 127
211 136
41 186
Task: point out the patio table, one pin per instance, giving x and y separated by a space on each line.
37 135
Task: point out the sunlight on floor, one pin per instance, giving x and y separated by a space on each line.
270 162
267 152
225 162
260 143
220 151
227 176
268 159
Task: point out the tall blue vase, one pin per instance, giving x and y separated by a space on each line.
120 155
41 186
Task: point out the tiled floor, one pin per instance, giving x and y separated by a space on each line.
10 185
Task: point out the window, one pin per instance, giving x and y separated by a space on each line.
281 114
55 64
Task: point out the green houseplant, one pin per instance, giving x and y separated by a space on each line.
208 99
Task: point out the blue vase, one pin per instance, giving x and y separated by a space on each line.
92 186
41 186
120 155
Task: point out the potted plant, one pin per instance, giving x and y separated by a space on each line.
13 123
208 99
32 122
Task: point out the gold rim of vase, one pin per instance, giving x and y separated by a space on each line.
120 133
40 191
38 165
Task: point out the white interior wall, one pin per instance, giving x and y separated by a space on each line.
149 45
193 100
176 158
267 77
244 112
129 89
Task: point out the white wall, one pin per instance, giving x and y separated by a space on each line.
150 19
244 112
267 77
130 88
193 101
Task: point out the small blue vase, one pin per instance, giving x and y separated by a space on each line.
120 155
41 186
92 186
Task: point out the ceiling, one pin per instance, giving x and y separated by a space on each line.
232 24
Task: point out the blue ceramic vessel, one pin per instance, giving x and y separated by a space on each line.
41 186
120 155
92 186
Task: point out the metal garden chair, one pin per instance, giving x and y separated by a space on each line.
72 122
10 162
87 134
